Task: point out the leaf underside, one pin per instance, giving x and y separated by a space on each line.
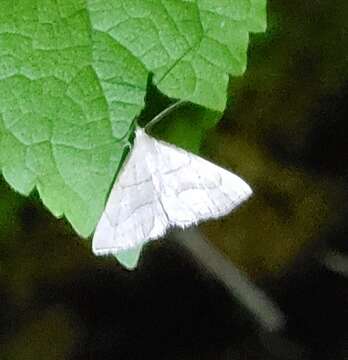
74 74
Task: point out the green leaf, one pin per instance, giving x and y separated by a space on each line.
74 74
10 205
129 258
190 46
67 97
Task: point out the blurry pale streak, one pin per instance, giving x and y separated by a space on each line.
336 262
162 186
266 312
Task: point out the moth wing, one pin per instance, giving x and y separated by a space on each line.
133 213
194 189
161 186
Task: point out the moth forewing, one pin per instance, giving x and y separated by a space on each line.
162 186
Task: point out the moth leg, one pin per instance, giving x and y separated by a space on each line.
127 145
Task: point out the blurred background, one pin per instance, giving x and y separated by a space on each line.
285 132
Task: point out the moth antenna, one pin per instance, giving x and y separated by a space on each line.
164 113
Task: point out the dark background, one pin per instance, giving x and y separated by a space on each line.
285 132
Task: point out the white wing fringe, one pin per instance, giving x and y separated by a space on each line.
162 186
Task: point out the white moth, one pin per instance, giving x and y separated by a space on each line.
162 186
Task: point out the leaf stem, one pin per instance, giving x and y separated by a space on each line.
255 300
